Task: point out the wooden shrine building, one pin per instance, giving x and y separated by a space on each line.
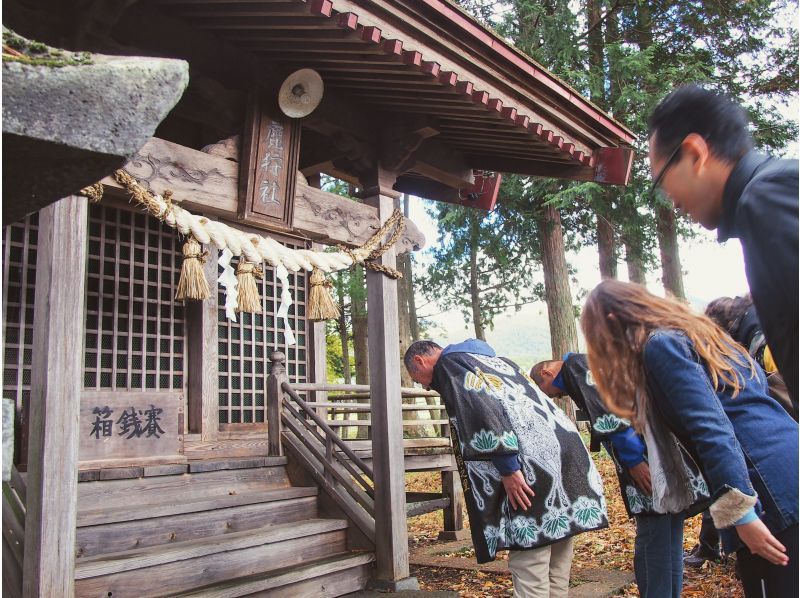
165 449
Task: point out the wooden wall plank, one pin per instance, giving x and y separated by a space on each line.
157 431
227 447
200 181
203 570
155 490
453 514
12 573
326 217
128 535
52 481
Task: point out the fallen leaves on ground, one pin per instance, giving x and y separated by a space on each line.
610 549
468 584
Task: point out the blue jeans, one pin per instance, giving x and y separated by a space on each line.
658 556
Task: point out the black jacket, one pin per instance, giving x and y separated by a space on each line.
760 208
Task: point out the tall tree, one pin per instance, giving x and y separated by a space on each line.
606 241
408 279
481 264
560 311
671 274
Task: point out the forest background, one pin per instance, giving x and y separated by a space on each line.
517 276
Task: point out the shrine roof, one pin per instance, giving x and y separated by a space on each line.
490 104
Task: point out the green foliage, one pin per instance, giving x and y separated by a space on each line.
333 354
490 256
650 47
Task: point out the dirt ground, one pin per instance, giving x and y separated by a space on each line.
610 550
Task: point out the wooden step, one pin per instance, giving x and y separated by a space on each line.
160 570
333 576
175 505
187 521
187 486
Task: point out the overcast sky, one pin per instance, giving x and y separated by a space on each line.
710 269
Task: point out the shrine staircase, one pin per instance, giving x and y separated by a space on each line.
220 528
300 525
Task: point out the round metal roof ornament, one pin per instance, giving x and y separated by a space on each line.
301 93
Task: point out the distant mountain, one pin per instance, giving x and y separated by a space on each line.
523 337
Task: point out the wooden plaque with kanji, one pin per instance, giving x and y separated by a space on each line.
271 146
131 425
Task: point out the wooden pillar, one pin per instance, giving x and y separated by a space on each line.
454 514
202 328
51 502
319 358
277 376
392 571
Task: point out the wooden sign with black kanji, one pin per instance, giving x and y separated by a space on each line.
126 425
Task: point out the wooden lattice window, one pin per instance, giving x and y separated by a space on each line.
135 330
245 347
19 280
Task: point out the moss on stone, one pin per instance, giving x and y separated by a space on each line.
39 54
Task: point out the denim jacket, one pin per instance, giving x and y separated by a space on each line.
747 442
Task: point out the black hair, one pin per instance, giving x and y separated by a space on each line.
536 370
713 116
418 348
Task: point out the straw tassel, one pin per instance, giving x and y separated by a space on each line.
321 305
249 299
192 284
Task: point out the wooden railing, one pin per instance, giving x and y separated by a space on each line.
341 412
312 433
352 474
294 424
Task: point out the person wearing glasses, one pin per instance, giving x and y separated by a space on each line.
702 156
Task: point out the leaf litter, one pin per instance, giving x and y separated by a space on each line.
609 549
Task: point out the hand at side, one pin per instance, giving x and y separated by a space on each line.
641 476
760 541
517 490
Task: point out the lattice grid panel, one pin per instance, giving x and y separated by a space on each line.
245 347
135 330
19 279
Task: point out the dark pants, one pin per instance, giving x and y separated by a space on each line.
709 538
658 555
778 581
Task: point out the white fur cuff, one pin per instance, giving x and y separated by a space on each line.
730 507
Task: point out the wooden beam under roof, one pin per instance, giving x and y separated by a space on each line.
400 20
399 58
208 184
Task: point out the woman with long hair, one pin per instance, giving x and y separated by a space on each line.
685 384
